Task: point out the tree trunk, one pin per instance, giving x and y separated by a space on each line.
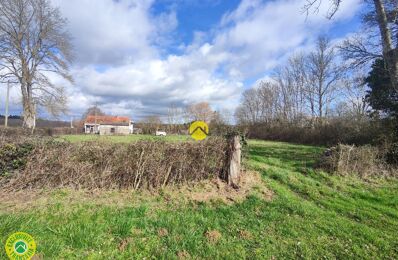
390 54
29 114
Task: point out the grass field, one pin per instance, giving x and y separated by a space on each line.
311 215
124 138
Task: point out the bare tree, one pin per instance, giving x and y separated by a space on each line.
299 79
291 80
91 111
174 115
200 111
306 85
385 16
323 76
268 93
34 44
354 93
359 50
250 110
260 104
286 94
151 124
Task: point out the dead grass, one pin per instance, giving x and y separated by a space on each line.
163 232
218 190
213 236
183 255
365 161
203 191
244 234
124 243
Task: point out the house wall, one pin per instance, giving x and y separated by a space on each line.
90 128
119 130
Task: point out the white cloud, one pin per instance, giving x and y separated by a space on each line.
114 32
258 33
157 83
121 63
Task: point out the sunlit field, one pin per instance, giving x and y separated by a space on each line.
311 215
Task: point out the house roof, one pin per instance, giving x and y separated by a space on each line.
107 120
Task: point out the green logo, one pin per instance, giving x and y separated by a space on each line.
20 245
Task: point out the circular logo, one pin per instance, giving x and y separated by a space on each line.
198 130
20 245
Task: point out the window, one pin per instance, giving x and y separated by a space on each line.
113 130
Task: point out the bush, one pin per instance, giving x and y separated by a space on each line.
332 132
364 161
142 164
392 154
42 131
13 157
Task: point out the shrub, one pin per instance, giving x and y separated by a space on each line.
39 131
364 161
332 132
13 156
392 154
142 164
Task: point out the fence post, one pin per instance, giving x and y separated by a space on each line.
234 162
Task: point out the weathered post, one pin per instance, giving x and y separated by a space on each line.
7 103
234 162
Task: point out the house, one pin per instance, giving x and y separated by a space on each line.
108 125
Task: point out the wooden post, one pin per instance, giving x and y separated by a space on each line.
95 118
7 104
234 162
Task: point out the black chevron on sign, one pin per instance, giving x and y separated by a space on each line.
199 128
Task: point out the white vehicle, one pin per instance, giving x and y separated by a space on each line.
160 133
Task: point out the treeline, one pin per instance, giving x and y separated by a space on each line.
179 118
346 93
17 121
310 87
11 116
316 99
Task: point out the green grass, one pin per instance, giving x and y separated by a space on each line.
123 138
312 215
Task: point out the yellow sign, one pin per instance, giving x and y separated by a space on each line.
198 130
20 245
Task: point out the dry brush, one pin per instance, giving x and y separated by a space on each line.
92 165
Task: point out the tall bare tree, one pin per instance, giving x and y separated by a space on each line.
268 93
250 109
355 105
33 44
323 76
384 15
174 114
261 104
299 78
306 86
291 80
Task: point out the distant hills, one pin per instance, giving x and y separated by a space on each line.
15 121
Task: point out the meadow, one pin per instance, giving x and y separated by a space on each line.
311 215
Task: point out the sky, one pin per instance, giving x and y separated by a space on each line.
137 57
